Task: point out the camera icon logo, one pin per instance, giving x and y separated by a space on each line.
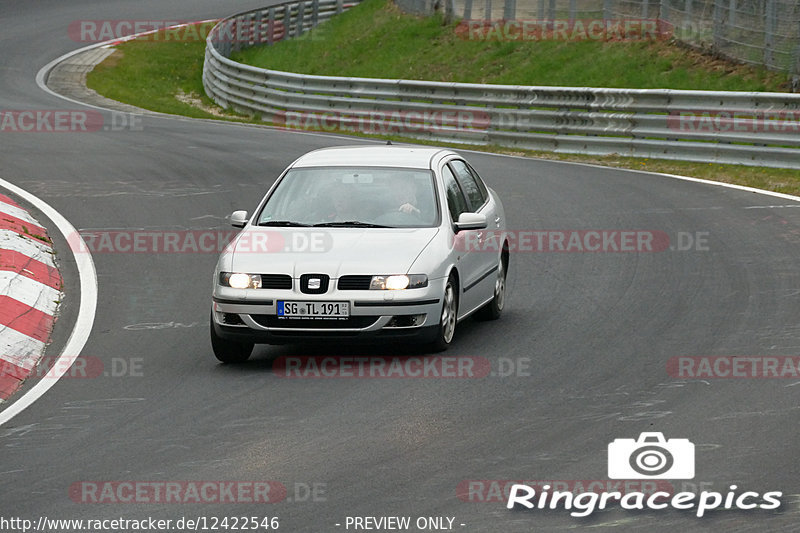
651 457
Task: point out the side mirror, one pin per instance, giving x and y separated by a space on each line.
239 219
471 221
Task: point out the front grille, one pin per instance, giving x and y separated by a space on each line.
272 321
276 281
322 279
354 283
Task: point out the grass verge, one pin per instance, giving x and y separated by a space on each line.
376 40
159 74
166 76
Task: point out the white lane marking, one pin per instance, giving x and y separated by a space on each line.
29 291
771 206
17 212
646 172
728 185
86 311
20 349
41 76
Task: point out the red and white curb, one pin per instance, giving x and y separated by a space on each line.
30 290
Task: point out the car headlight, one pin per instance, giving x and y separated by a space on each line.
398 282
238 280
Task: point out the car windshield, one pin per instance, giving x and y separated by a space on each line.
353 197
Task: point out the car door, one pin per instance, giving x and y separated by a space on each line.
467 259
481 288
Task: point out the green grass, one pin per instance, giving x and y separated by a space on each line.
149 73
376 40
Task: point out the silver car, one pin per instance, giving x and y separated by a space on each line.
358 242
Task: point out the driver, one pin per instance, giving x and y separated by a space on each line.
405 194
343 206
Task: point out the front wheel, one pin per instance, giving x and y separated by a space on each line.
449 318
229 351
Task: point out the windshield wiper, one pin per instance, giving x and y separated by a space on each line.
349 224
284 223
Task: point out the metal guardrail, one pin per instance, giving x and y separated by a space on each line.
724 127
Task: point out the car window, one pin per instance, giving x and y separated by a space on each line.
478 180
468 184
393 197
456 201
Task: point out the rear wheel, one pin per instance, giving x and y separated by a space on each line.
449 318
229 351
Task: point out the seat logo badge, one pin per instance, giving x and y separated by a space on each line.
314 283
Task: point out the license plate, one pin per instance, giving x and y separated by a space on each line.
313 309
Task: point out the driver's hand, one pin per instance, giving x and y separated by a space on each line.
408 208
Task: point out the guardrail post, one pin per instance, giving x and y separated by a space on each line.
769 32
796 64
717 29
270 26
732 13
301 13
314 13
687 24
339 8
572 9
487 13
510 9
551 13
258 30
468 10
541 10
238 35
607 10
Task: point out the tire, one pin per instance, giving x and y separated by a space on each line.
449 317
229 351
493 309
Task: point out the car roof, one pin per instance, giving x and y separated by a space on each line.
378 156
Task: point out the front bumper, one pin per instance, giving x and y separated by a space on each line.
250 315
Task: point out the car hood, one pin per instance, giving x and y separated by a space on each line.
332 251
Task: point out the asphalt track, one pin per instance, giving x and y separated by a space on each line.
594 329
